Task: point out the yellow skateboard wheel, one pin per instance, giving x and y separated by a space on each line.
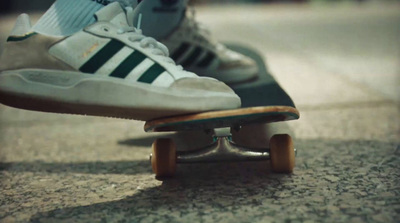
163 159
282 154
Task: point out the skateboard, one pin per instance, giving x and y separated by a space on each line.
220 125
263 102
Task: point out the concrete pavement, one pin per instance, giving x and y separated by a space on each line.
341 66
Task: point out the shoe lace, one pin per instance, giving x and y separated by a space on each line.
157 48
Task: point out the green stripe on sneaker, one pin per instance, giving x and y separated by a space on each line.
180 51
207 60
151 74
132 61
101 57
192 58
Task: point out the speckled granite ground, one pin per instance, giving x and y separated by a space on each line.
340 66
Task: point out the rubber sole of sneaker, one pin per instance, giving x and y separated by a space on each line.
84 94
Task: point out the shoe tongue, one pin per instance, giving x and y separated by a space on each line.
112 13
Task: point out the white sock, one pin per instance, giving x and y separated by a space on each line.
66 17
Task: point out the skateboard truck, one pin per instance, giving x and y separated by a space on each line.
223 149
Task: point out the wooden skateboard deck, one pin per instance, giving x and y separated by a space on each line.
226 118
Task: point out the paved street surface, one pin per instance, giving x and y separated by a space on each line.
341 66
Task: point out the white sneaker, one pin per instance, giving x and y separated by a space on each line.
107 69
192 46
